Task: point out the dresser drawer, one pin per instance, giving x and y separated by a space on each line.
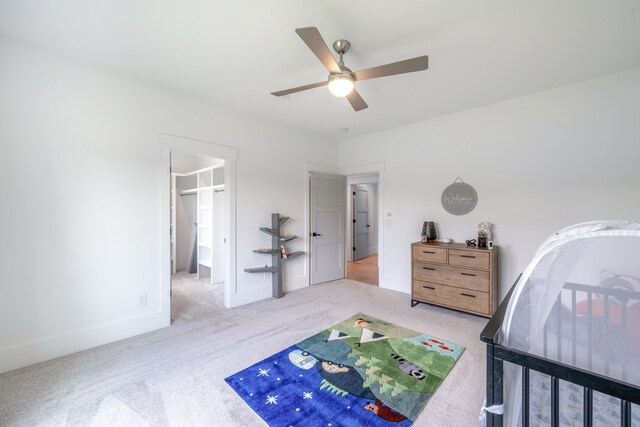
471 259
449 296
458 277
430 254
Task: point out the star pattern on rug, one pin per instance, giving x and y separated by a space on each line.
272 400
263 372
307 395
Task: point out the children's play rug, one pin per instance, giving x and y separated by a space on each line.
360 372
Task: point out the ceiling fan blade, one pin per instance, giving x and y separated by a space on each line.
299 88
311 36
407 66
356 100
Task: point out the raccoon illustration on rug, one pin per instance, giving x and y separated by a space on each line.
409 368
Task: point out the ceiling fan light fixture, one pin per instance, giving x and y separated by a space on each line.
341 85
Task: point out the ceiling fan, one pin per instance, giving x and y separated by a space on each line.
341 78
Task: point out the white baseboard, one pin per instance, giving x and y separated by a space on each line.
264 292
248 296
40 350
295 284
395 285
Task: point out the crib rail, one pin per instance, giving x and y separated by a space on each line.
590 381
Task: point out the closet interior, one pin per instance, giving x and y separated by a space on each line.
197 222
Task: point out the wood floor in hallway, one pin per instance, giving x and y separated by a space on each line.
364 270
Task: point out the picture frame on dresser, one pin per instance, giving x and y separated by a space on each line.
455 276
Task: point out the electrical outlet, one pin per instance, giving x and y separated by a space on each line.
142 300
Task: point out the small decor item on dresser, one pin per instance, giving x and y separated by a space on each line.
424 238
486 226
484 234
482 239
432 234
429 233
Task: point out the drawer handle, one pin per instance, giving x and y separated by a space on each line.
468 274
428 268
467 256
468 295
429 287
428 252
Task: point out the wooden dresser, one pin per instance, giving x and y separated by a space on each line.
456 276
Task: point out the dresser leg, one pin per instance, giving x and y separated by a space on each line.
414 303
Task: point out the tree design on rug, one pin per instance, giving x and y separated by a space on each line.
330 387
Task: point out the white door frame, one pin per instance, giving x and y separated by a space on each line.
169 143
348 170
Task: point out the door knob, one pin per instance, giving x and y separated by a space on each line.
314 234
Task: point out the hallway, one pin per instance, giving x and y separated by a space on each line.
364 270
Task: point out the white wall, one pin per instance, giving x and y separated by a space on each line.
538 163
78 247
182 163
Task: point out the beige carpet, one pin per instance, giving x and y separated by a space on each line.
175 376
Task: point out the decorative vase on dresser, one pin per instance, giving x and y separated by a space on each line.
455 276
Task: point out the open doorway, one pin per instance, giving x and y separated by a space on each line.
362 235
320 226
198 240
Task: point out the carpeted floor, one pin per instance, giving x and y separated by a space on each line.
175 376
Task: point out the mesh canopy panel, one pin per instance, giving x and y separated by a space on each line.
578 303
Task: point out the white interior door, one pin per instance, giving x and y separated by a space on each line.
361 223
327 227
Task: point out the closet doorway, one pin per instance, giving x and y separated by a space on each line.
197 236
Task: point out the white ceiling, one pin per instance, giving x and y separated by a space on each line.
235 53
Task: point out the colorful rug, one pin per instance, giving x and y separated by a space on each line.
360 372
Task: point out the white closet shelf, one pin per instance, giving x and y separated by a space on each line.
205 245
205 262
205 188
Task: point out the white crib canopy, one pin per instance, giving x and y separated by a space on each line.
578 301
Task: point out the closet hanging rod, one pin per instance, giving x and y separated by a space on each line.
188 194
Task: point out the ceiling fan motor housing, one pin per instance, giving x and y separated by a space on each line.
346 73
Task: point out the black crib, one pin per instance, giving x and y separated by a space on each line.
587 380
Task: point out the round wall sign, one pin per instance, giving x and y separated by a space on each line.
459 198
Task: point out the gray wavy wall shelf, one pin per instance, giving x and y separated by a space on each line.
276 255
